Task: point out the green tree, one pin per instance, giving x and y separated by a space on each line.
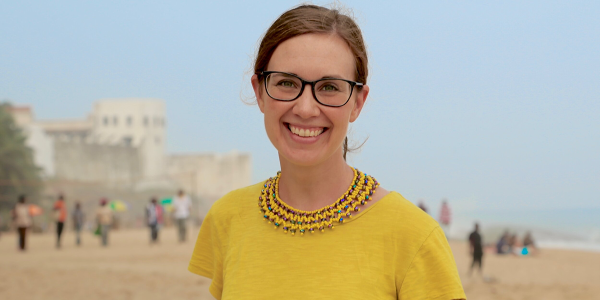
18 172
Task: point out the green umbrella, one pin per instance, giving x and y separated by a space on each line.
117 205
167 203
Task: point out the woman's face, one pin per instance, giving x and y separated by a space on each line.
303 131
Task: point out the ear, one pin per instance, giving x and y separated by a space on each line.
361 98
258 92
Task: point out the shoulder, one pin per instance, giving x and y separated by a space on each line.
402 210
403 218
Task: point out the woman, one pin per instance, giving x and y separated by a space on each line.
310 83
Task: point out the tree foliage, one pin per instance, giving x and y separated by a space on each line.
18 172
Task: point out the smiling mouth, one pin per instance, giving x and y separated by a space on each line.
303 132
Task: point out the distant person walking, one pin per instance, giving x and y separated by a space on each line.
78 221
22 220
182 206
60 215
476 249
154 218
104 219
445 217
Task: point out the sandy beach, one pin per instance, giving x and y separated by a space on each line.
132 269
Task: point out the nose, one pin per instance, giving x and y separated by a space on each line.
306 105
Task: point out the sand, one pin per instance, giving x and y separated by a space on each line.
128 269
551 274
132 269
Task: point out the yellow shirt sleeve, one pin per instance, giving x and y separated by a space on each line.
207 258
432 274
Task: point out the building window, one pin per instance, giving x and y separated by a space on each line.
156 121
146 121
105 120
115 121
129 121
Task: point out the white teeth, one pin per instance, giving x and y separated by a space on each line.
305 132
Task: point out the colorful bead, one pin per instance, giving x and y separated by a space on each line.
277 212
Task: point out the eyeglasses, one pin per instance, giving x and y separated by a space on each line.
333 92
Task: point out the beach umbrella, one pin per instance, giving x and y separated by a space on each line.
167 203
117 205
35 210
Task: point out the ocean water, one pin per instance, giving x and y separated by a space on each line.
573 228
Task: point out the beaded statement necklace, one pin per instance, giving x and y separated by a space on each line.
294 220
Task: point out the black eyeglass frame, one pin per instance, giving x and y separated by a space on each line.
353 84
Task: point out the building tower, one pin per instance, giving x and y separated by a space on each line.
136 122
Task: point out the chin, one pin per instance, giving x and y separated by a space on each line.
305 158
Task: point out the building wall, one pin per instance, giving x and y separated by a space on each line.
67 129
138 122
122 142
210 176
85 162
42 146
22 115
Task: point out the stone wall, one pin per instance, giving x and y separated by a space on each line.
212 175
117 165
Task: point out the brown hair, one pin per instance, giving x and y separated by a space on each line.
306 19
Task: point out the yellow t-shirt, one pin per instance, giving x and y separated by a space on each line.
391 250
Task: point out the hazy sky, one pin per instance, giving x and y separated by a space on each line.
492 105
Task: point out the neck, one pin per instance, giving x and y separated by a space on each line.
313 187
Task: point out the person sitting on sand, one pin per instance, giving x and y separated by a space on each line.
512 244
502 245
528 244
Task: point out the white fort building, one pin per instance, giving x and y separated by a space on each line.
122 143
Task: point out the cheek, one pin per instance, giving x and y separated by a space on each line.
272 116
340 119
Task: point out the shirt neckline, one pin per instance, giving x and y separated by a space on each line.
366 210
